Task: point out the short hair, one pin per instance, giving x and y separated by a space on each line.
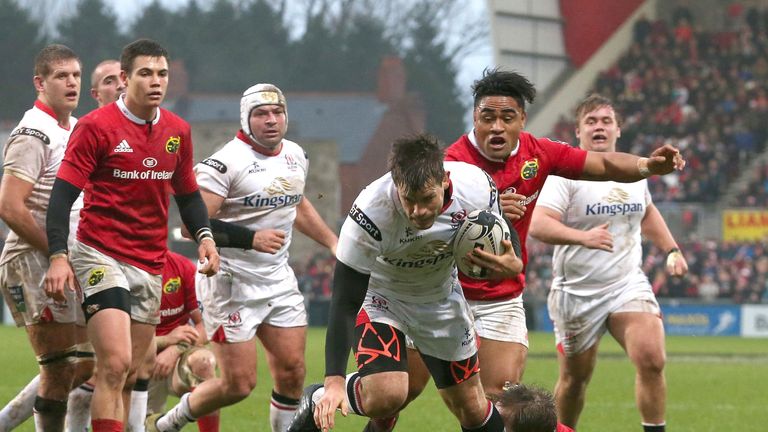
526 408
140 47
593 102
94 81
497 82
51 54
416 161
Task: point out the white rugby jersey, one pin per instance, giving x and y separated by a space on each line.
406 263
588 204
261 192
33 153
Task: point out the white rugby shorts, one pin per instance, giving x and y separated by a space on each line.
442 329
502 320
234 305
97 272
580 321
22 279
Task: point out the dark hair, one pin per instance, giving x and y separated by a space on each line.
526 408
593 102
416 162
140 47
497 82
50 54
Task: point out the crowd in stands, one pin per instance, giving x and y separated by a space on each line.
702 91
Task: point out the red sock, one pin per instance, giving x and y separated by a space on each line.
208 423
563 428
106 425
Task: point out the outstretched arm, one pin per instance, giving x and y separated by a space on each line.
627 168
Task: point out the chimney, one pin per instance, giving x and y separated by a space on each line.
178 85
391 80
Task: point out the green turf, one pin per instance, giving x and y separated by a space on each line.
715 384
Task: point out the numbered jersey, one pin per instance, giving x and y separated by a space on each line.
585 205
406 263
260 192
33 153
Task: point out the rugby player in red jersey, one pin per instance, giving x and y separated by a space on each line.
127 156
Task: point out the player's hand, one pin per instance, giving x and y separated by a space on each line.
512 205
183 333
269 240
665 159
58 278
598 238
333 398
676 264
504 266
208 257
165 362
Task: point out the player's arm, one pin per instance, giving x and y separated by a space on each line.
309 222
349 288
627 168
656 230
60 275
197 318
194 214
547 226
14 192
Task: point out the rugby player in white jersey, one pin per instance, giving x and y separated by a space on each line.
395 260
256 181
598 283
55 326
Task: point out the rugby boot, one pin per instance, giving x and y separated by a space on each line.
304 419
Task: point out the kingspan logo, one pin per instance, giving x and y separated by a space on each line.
615 203
277 194
431 254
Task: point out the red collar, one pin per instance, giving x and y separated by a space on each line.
257 148
48 110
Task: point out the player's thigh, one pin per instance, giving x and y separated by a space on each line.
466 400
641 334
237 360
284 346
142 335
501 362
52 337
418 374
577 367
110 333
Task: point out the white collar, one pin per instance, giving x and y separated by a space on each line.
130 116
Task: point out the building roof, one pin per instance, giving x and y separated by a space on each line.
349 119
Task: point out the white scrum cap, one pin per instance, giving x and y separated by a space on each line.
257 95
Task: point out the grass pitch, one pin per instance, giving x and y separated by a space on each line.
714 384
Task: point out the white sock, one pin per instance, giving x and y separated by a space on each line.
19 409
138 412
177 417
79 409
351 385
281 411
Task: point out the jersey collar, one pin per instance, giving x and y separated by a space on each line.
129 115
257 148
48 110
473 140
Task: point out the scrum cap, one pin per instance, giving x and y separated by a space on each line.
257 95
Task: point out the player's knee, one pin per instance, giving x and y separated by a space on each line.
202 364
239 387
291 376
651 364
84 364
113 370
379 404
58 371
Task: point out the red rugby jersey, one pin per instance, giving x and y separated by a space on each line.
127 167
524 173
179 298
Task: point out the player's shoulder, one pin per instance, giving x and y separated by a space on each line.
463 172
173 119
527 138
35 125
457 149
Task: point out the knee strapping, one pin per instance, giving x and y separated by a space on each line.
85 352
68 355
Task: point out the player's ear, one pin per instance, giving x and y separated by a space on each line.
38 82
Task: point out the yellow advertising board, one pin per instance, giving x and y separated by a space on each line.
745 225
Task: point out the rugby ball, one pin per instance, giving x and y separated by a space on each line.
480 229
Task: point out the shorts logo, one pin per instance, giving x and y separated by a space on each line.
379 303
92 309
173 144
365 222
149 162
234 318
172 285
17 294
215 164
96 276
530 169
33 133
